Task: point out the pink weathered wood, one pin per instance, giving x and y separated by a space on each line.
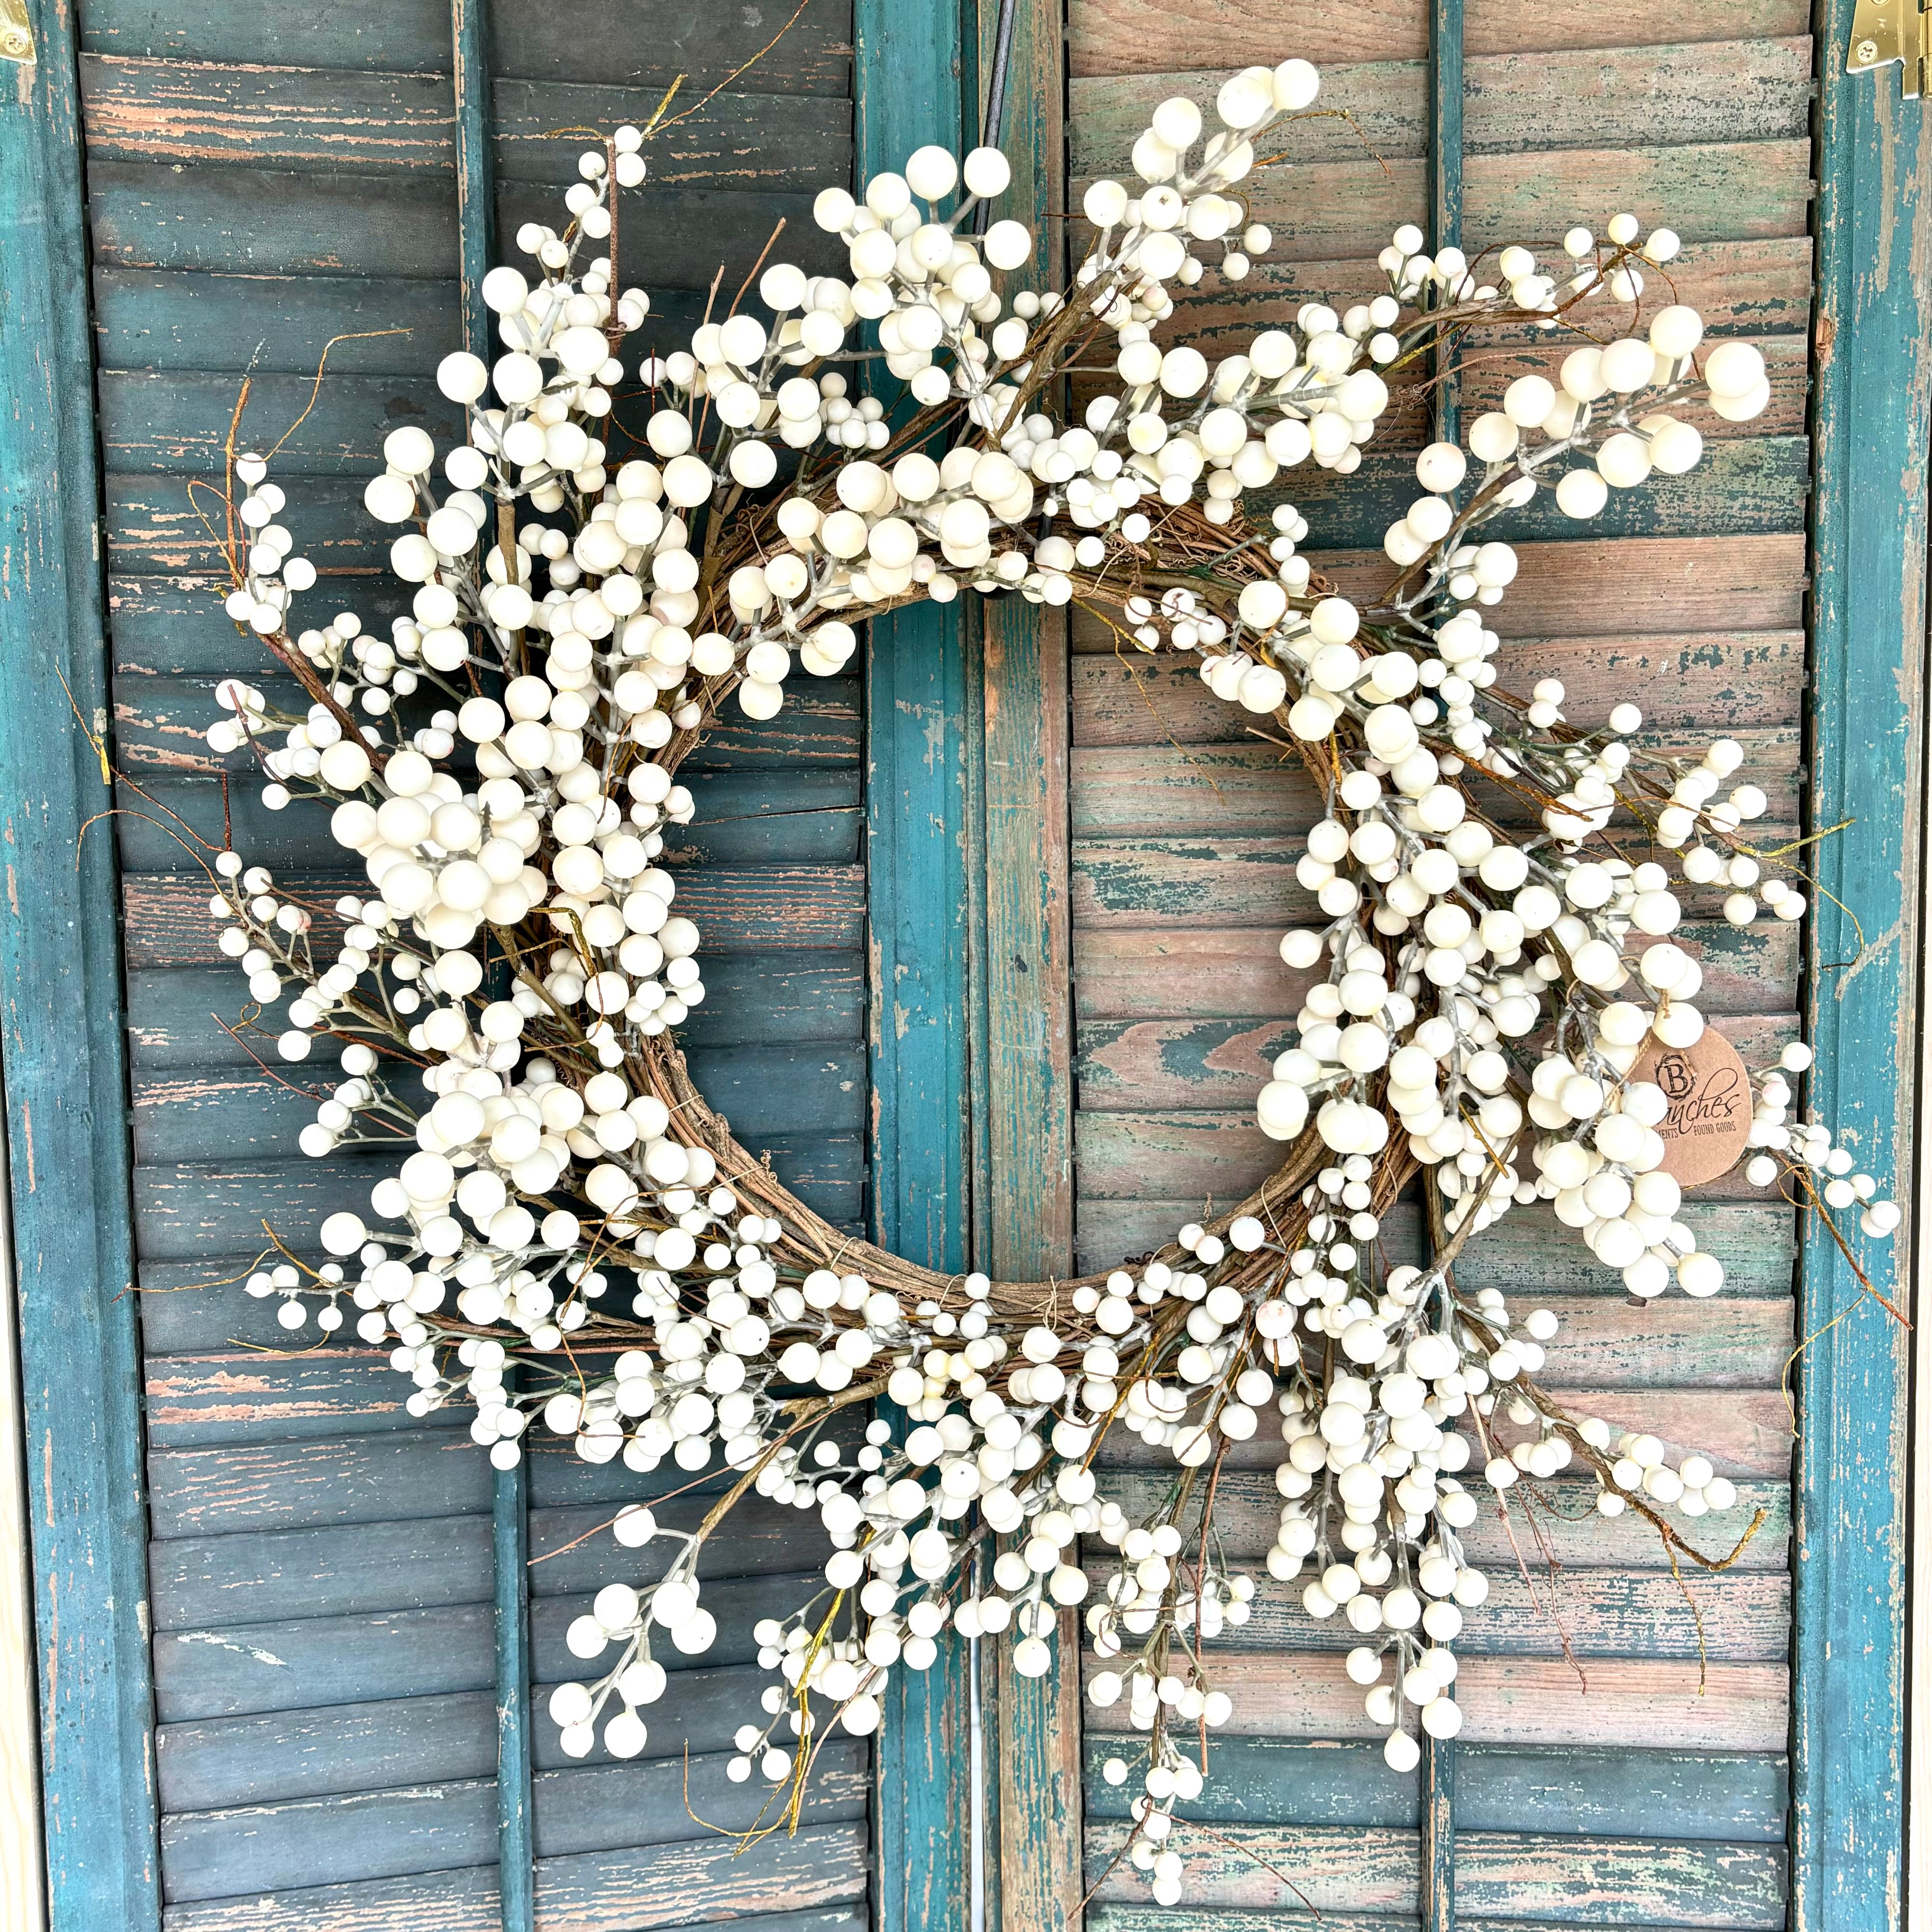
1255 786
1567 97
1158 1065
1139 973
1145 37
1742 1616
1326 1868
1743 1432
1743 287
1749 679
1632 587
1520 1700
1185 828
1530 1537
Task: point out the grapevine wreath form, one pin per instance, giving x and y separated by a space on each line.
577 1244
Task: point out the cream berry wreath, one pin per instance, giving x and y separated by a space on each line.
578 1245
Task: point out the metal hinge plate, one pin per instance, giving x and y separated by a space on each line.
16 31
1885 30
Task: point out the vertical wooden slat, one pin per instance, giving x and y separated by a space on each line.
23 1889
509 1512
916 690
60 1033
1026 1076
1438 1781
1445 162
1874 374
1028 1071
1438 1890
475 182
516 1828
920 664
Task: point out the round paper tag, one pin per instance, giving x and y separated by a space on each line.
1708 1128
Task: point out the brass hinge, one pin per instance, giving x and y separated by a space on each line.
16 31
1885 30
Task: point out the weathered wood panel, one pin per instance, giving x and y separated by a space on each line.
1652 1793
1560 1879
1732 91
1187 829
1710 191
80 1822
1745 1617
466 1900
1660 1792
218 1571
262 115
341 1748
1752 679
244 1669
230 218
1743 1431
775 907
151 319
302 171
1629 589
1694 1883
1146 1066
1257 787
598 42
617 1808
161 716
1567 1532
808 997
1758 288
1114 37
1323 1868
1236 972
767 1090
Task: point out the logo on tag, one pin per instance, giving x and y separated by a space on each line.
1708 1129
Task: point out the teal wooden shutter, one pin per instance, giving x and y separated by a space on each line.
65 1076
1646 1801
287 1601
967 838
1871 392
324 1663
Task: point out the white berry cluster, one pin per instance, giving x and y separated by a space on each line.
572 1240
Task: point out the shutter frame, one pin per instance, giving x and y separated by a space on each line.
65 1059
1873 376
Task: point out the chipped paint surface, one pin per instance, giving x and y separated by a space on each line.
1869 526
223 1642
62 1046
259 1454
1173 811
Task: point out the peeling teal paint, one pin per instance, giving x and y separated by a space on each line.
1873 379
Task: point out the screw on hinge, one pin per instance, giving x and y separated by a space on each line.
1885 30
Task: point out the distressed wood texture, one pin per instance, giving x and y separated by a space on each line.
23 1864
600 41
61 1047
1868 613
1185 830
924 761
1525 1877
1028 1072
1582 1791
1024 1077
260 184
1113 36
